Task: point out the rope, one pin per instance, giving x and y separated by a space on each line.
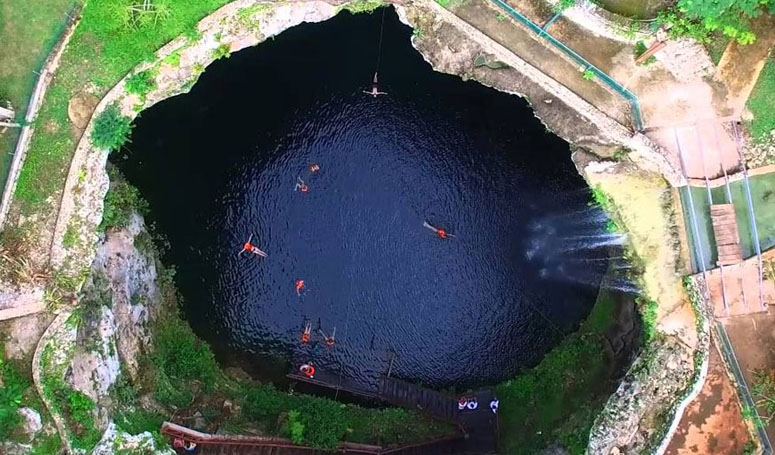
379 47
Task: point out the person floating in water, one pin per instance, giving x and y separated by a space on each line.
308 370
299 286
247 246
306 335
330 340
440 232
300 185
314 167
374 92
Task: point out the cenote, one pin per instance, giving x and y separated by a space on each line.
219 164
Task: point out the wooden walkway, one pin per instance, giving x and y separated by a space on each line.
726 233
479 425
216 444
407 395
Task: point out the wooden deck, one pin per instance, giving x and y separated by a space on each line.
727 235
408 395
216 444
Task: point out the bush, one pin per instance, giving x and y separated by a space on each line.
141 83
180 355
120 201
111 129
640 49
295 427
324 422
222 51
11 393
588 74
80 407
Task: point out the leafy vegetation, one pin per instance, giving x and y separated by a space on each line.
763 391
559 399
12 386
588 74
111 128
648 314
699 19
121 200
143 82
640 49
222 51
365 6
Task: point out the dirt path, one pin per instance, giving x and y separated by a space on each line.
740 66
712 424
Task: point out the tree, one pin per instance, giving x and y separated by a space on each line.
699 18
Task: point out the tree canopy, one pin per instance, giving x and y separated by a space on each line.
730 17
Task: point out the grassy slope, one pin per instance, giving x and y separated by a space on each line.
559 398
762 102
28 31
103 49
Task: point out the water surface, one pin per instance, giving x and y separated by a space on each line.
220 164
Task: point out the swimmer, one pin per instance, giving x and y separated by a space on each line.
308 370
314 167
247 246
307 333
374 92
299 286
300 185
330 340
440 232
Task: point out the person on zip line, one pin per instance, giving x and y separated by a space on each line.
374 92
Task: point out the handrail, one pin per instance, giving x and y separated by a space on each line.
631 98
742 387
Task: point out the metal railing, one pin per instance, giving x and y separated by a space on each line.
631 98
742 387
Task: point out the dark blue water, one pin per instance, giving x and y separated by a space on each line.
220 164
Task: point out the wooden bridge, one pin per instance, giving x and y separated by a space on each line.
727 234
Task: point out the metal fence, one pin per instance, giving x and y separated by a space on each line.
742 387
637 115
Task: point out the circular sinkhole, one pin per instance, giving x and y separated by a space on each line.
221 164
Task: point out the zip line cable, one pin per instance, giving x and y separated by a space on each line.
379 47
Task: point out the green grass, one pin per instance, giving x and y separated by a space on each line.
28 32
762 102
102 51
559 398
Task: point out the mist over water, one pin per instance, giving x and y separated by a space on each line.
220 164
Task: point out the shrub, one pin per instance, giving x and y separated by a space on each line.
324 422
295 427
181 356
588 74
222 51
111 129
640 49
11 393
141 83
120 201
80 407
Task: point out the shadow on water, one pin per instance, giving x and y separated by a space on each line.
219 164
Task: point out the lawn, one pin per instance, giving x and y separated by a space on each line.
559 399
104 48
762 103
28 32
